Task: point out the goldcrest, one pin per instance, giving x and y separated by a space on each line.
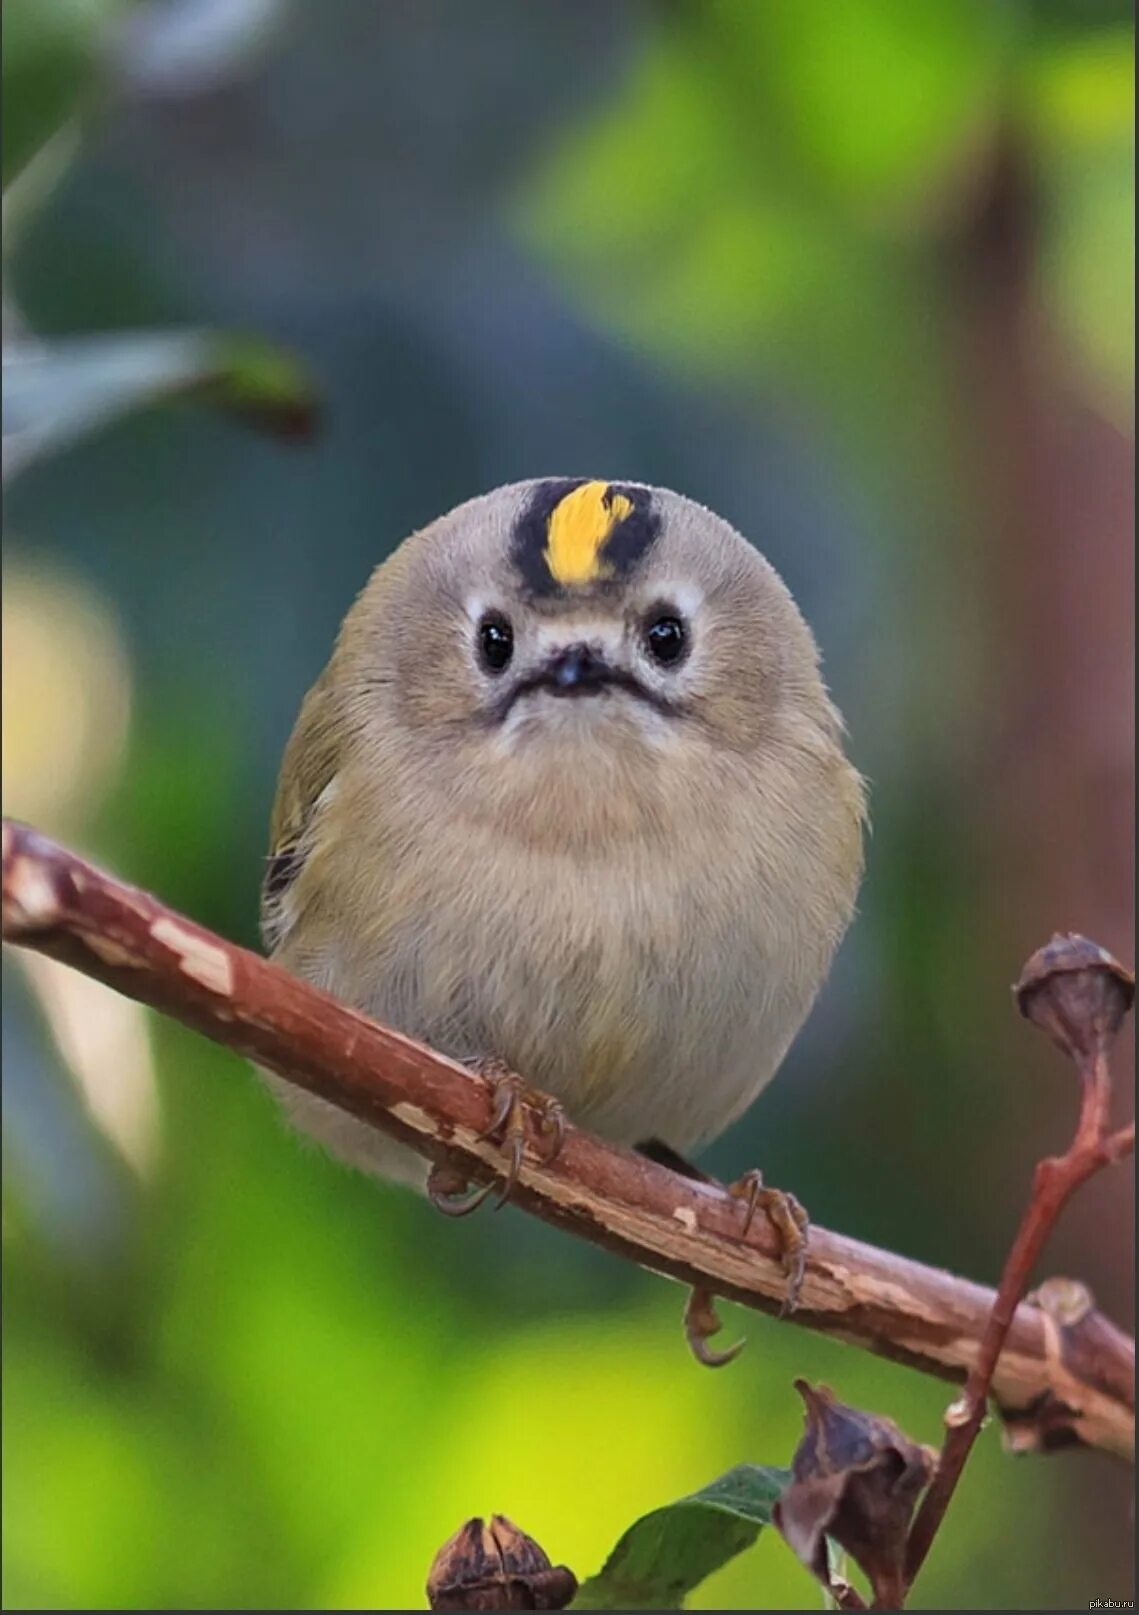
570 795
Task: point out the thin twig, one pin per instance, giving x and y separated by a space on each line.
1079 995
59 905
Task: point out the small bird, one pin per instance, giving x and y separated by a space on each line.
570 803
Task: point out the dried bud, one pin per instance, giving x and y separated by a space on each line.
496 1566
1076 992
856 1478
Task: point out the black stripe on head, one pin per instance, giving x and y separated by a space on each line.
632 538
532 531
577 533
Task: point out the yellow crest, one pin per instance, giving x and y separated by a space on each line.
578 529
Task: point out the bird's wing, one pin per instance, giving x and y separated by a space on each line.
309 769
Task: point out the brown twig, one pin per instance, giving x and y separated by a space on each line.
61 906
1079 994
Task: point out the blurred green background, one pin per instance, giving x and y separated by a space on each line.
857 274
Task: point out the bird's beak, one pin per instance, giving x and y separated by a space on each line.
579 669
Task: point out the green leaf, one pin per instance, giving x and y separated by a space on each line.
51 61
57 392
667 1553
33 187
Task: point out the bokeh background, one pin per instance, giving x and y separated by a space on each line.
857 274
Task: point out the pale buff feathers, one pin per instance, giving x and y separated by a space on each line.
636 914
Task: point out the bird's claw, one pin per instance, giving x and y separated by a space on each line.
700 1324
790 1222
511 1098
507 1126
449 1191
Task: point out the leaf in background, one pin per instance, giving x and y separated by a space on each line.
881 108
667 1553
51 57
690 216
57 392
756 201
193 47
1078 101
35 184
796 139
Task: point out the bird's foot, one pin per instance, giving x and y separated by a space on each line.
700 1324
512 1100
787 1217
792 1225
790 1222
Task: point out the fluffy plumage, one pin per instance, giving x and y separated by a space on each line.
629 888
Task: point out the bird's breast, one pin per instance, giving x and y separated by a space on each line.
650 994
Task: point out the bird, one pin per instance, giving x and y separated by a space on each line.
571 803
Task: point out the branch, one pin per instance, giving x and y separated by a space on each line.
1079 995
61 906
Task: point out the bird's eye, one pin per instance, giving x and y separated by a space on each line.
666 639
496 642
